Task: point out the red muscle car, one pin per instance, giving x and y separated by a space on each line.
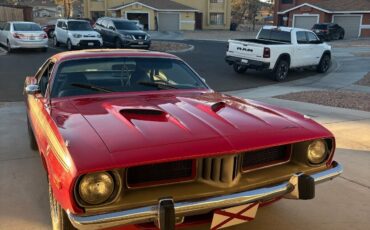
137 139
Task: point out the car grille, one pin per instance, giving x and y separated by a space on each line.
220 169
164 173
86 42
140 37
265 157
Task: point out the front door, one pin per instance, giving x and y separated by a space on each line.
198 21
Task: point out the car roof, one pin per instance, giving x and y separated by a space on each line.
285 29
108 53
20 22
70 20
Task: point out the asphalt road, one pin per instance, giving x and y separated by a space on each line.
207 59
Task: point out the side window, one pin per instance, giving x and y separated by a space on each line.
110 24
301 37
59 24
105 23
65 24
311 37
43 76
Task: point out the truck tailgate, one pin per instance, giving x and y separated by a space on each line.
246 49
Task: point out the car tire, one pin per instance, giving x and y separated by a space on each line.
239 68
55 42
341 36
59 218
31 136
9 48
117 44
281 70
324 64
69 45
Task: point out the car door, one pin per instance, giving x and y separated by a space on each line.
302 50
111 33
315 49
4 33
38 107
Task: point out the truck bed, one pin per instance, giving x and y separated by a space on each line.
260 41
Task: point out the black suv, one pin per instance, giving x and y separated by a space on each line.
328 31
122 33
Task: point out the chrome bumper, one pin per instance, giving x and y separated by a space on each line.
150 213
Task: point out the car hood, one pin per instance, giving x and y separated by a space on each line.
132 32
138 129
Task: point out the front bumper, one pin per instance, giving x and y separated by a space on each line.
85 43
151 213
251 63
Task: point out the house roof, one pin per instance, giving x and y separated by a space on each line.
158 5
337 6
46 3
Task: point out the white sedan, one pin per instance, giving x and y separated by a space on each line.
15 35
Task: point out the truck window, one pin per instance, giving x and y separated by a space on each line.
275 35
301 37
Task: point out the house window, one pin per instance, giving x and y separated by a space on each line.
217 1
217 18
287 1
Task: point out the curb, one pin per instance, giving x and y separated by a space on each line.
191 48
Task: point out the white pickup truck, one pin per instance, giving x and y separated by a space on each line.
279 49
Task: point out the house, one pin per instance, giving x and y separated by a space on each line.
43 8
352 15
165 15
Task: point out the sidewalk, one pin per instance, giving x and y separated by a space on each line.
210 35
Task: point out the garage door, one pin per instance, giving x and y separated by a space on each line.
168 21
305 22
351 24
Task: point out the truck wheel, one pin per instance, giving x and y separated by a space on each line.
281 70
324 64
59 218
239 68
55 42
31 136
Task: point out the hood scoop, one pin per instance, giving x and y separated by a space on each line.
144 115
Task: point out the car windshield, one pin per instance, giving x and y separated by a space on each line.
122 25
320 27
104 75
275 35
79 26
26 27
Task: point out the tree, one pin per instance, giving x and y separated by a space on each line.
246 8
67 5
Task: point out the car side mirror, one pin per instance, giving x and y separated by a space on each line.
64 28
32 89
111 28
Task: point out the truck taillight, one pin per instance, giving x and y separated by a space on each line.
266 52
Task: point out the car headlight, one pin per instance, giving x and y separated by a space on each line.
126 36
317 152
96 188
76 35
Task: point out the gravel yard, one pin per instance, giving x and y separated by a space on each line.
334 98
169 46
364 81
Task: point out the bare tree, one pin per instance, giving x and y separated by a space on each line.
246 8
67 5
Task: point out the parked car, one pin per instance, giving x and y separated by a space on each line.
328 31
130 137
49 30
138 24
122 33
279 49
76 34
15 35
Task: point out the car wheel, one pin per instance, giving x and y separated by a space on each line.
324 63
341 36
118 44
59 218
31 136
9 48
281 70
239 68
55 42
69 45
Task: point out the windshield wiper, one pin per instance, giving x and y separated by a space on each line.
159 85
92 87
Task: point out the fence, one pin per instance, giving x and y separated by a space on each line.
15 13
